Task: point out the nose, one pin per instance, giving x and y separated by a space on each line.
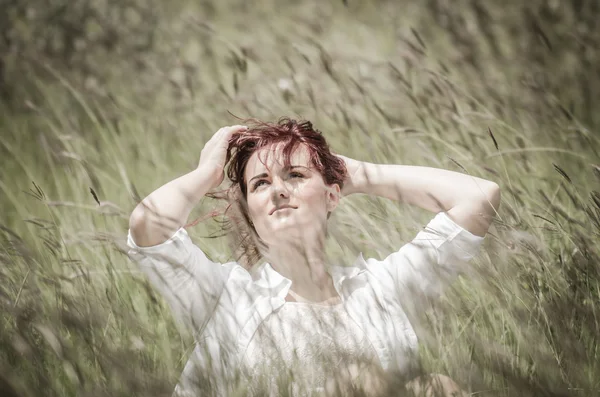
279 190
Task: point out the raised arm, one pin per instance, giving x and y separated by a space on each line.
189 281
465 207
469 201
164 211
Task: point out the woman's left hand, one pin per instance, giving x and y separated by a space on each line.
353 178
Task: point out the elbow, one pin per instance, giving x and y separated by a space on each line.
148 229
136 219
143 214
476 214
140 227
137 225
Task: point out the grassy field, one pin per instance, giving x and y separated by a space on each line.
508 93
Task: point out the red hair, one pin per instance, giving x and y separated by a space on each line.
289 132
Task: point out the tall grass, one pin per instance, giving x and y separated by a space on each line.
466 88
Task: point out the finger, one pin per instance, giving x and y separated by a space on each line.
237 128
228 131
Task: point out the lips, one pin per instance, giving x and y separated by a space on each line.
280 208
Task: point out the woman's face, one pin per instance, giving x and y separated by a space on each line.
287 203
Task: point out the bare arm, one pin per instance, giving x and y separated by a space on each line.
167 209
469 201
164 211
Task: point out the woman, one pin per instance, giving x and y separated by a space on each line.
291 317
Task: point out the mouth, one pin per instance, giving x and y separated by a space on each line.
280 208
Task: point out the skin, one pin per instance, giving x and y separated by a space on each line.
298 251
295 236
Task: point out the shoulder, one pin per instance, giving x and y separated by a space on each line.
452 242
444 226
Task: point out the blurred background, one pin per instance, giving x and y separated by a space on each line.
103 101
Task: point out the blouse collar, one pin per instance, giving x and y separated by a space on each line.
268 278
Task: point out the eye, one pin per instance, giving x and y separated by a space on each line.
258 184
296 175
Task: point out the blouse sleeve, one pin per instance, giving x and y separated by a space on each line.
431 261
190 282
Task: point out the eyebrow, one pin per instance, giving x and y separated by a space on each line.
264 174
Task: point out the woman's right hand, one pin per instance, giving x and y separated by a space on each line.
214 153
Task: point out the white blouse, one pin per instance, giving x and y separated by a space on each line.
309 339
231 311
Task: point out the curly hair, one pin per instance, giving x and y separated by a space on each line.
289 132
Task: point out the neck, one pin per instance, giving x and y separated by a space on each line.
304 265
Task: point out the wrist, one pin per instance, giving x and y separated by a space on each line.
208 177
357 182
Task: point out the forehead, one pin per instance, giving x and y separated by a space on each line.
270 158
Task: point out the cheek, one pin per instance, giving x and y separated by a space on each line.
313 194
257 205
252 207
